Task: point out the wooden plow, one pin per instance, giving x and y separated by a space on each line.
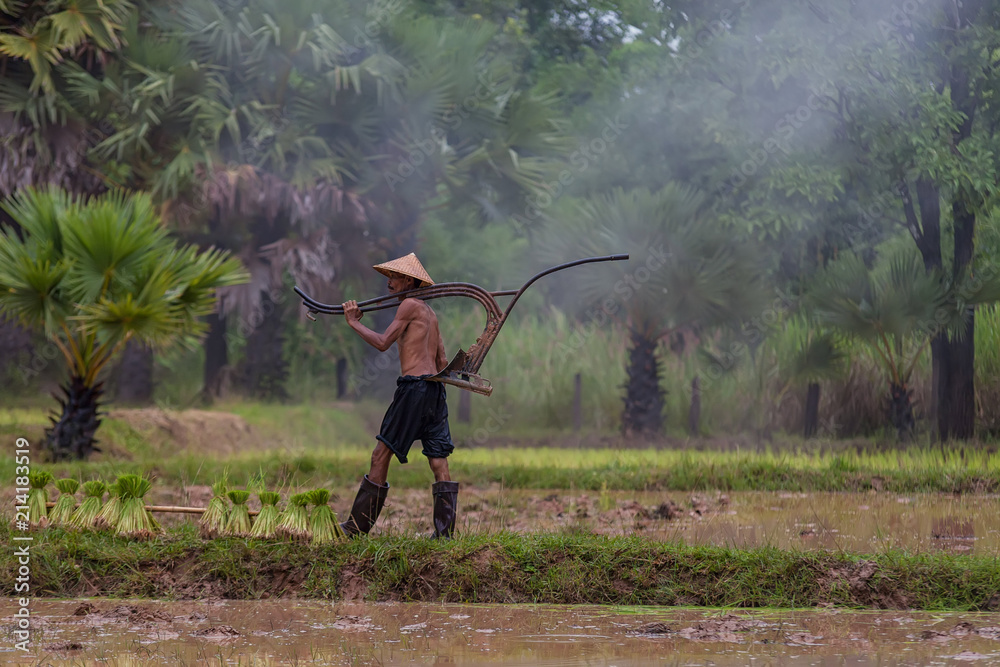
463 371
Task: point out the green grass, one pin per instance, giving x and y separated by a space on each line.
501 568
331 446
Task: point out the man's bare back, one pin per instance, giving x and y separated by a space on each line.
414 330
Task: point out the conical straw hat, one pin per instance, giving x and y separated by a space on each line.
408 266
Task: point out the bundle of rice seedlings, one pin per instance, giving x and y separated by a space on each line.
66 502
88 510
37 497
134 520
266 524
294 521
107 518
238 523
323 521
213 521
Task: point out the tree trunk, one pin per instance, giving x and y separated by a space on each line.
694 411
72 433
134 375
644 397
962 349
464 406
961 408
961 414
577 402
264 369
929 244
901 411
812 410
14 340
940 383
216 356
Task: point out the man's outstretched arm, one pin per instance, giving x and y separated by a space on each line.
381 342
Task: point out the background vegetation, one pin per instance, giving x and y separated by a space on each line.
751 149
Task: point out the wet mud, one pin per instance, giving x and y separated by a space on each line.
852 522
106 632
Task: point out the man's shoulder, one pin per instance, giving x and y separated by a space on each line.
411 307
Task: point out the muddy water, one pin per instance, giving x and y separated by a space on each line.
857 522
106 632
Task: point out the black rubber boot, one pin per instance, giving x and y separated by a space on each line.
445 509
367 506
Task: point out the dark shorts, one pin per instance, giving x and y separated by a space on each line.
418 412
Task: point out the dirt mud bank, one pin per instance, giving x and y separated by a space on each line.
501 568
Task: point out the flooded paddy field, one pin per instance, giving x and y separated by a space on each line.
853 522
117 632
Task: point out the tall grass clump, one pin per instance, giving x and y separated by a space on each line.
88 510
540 357
134 520
238 524
323 521
66 503
294 521
213 520
988 369
37 497
267 520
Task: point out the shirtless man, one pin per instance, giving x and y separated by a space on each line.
418 410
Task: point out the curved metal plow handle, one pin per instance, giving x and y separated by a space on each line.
463 369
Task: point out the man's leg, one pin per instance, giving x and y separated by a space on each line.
381 456
445 499
440 469
371 496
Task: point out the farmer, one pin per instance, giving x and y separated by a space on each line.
418 410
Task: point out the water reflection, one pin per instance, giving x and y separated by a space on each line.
289 633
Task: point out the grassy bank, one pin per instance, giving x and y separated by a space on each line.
552 468
295 446
499 568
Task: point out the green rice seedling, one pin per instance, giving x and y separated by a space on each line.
213 521
266 524
294 521
107 518
134 520
37 497
323 520
88 510
66 502
238 524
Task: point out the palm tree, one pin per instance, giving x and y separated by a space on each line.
93 274
45 136
896 309
687 274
